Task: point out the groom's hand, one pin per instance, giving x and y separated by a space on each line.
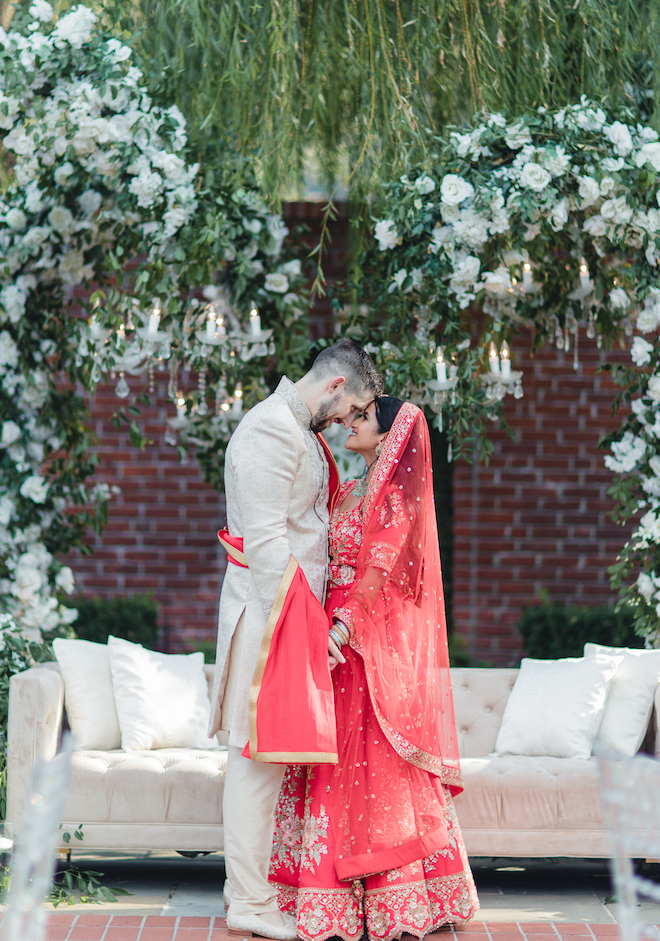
335 655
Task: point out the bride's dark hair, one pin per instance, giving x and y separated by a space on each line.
387 407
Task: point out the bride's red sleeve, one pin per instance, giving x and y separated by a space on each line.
383 543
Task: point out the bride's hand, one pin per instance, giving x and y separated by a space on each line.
335 655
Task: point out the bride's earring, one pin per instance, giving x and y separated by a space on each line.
379 450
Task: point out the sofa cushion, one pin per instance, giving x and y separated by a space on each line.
168 785
630 701
162 699
555 707
522 793
88 695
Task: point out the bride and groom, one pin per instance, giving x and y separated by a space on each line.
342 755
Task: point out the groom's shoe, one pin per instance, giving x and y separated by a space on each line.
276 925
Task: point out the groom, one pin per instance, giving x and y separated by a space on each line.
277 489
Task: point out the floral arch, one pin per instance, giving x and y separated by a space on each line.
182 270
550 223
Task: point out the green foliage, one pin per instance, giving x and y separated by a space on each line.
355 83
73 886
552 629
134 618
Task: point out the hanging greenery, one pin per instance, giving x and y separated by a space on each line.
102 200
356 84
551 223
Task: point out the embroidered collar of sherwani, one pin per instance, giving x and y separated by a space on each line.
295 402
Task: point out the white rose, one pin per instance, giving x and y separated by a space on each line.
424 184
90 201
649 153
11 432
7 509
559 215
606 185
616 211
454 189
64 579
654 464
61 219
41 10
619 135
627 453
653 390
397 280
252 225
472 228
465 274
497 282
118 51
277 282
645 586
33 198
517 135
292 268
534 177
386 234
13 300
442 237
63 173
648 318
34 488
589 119
610 165
619 300
462 143
8 352
74 28
71 268
589 190
596 226
496 120
556 161
450 214
16 219
36 236
27 584
640 351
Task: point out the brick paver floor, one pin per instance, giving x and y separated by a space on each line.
107 927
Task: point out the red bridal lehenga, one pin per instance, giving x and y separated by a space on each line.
375 839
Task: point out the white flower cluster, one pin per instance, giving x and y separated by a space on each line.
97 168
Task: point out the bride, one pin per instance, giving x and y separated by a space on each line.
375 838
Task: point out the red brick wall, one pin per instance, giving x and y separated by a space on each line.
537 516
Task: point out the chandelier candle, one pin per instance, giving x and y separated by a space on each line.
505 361
255 321
180 407
494 359
527 275
440 367
94 328
585 280
237 405
154 320
220 323
210 325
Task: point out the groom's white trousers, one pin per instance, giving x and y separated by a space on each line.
249 802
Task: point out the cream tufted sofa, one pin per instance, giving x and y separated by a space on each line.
172 798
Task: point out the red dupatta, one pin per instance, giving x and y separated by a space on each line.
395 607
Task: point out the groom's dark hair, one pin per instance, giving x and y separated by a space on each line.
348 359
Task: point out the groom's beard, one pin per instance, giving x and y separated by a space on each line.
324 416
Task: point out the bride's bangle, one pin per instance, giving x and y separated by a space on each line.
335 636
340 628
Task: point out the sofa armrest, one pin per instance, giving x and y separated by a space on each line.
36 708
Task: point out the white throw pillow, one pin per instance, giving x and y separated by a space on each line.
162 699
630 702
555 707
88 694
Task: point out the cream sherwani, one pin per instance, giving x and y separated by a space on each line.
276 485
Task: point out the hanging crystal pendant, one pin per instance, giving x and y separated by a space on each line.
170 437
271 348
96 373
591 326
122 388
150 374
